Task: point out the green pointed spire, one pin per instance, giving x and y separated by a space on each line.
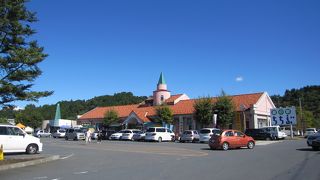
57 116
161 79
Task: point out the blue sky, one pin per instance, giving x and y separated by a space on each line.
104 47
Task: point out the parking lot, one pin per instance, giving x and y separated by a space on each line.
289 159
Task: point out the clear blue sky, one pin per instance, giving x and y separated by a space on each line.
104 47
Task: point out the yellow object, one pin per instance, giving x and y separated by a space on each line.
21 126
1 152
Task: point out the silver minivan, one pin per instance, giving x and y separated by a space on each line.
75 134
206 133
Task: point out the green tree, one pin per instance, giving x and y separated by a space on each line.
164 114
203 110
30 116
111 116
19 55
3 120
225 110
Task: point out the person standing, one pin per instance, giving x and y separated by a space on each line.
99 136
88 136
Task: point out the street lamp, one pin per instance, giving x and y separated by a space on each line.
243 109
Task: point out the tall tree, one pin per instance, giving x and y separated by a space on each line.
164 114
111 116
19 56
225 110
29 117
203 110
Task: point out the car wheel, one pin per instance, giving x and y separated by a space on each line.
315 148
268 139
159 139
32 149
250 145
75 139
66 138
225 146
181 141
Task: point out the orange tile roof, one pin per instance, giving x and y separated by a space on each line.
173 98
182 107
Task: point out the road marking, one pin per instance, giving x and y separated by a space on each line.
66 157
43 177
83 172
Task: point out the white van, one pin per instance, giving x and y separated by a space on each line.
275 131
159 134
15 140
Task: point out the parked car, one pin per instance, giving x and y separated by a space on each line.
316 144
117 135
313 137
206 133
16 140
260 134
159 134
42 133
190 136
140 136
287 130
230 139
275 131
107 133
310 131
75 134
94 135
60 133
128 134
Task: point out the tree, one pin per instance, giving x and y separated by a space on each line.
110 117
225 110
30 116
203 108
19 56
164 114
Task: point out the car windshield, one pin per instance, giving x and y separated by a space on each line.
127 131
62 130
205 131
309 129
136 131
151 130
187 132
78 130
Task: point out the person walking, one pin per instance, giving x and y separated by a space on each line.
88 136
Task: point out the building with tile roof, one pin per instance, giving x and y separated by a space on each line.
252 111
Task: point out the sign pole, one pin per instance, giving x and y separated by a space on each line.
291 131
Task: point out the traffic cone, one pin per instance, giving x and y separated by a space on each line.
1 152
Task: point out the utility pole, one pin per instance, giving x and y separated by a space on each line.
301 120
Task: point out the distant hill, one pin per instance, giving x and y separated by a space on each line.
70 109
310 101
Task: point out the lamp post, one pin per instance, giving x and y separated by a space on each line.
243 109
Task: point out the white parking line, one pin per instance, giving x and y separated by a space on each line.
66 157
83 172
43 177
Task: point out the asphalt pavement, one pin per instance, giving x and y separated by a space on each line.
288 159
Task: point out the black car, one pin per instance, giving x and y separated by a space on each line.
259 134
106 134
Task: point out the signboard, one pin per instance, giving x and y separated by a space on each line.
283 116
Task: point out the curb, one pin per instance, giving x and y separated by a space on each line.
29 163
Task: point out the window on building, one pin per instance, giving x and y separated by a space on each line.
162 98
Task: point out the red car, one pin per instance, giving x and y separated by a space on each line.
227 139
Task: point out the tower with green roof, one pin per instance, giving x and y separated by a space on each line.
57 117
161 94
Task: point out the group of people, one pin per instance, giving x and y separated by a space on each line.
89 134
